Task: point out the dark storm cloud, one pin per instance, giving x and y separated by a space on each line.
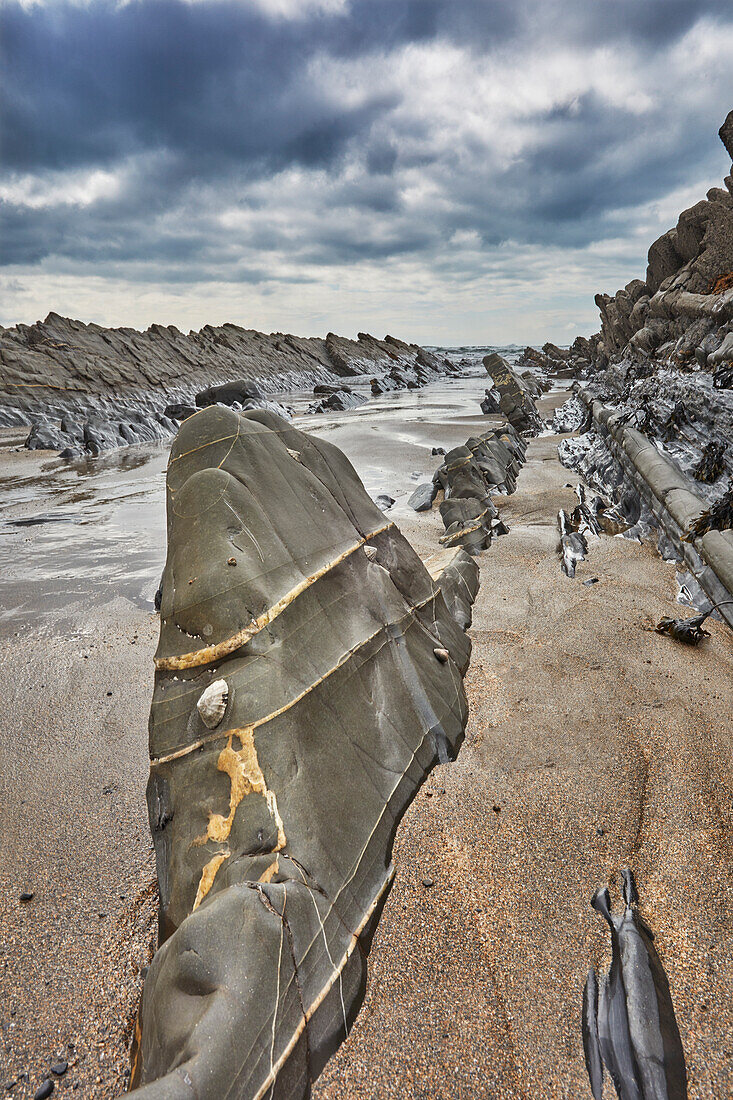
196 107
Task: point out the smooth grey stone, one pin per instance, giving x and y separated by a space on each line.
424 495
273 830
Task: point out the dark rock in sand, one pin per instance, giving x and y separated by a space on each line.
325 388
438 451
338 399
229 393
384 501
178 411
573 544
298 706
467 477
628 1018
423 497
516 401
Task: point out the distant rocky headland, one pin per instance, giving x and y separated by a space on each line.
84 388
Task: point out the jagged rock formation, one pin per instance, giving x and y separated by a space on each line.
467 477
678 319
663 361
308 677
652 496
516 394
120 382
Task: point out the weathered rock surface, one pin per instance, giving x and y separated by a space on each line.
467 478
662 368
127 379
342 658
652 496
629 1023
516 394
336 399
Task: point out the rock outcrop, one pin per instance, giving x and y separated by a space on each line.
467 478
308 677
516 394
663 359
130 383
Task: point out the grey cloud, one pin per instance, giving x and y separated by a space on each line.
209 102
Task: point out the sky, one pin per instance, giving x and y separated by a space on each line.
448 171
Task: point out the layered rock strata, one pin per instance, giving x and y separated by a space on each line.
664 352
651 494
466 478
89 388
308 677
516 395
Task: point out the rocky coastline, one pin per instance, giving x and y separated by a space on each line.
653 400
84 389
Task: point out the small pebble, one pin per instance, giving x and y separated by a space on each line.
427 882
109 692
44 1090
497 809
26 895
59 1068
442 655
232 561
591 580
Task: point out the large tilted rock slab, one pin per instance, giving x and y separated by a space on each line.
308 677
516 400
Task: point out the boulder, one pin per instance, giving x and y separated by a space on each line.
179 411
308 677
228 393
422 498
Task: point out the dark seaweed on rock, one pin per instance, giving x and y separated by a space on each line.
628 1018
711 464
719 517
308 677
689 631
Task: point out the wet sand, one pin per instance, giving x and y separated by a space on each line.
592 743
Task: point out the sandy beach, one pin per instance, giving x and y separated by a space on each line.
593 743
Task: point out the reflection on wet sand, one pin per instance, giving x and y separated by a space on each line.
81 532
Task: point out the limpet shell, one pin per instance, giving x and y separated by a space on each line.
213 703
